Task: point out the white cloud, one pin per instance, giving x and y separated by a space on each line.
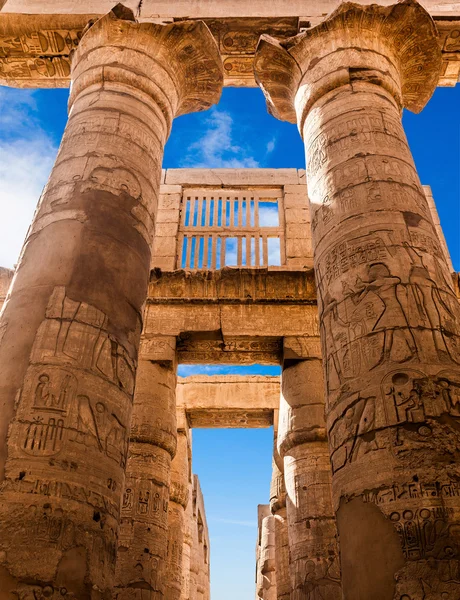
271 146
217 149
26 157
268 214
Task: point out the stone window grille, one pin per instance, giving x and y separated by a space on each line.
241 228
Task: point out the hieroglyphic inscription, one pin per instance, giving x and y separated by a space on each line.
410 402
241 350
64 405
238 38
382 317
41 56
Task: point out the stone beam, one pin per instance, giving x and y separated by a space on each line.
231 315
36 38
229 400
201 9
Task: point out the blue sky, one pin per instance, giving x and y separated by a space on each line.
234 465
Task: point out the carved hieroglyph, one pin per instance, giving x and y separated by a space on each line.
313 550
71 326
37 38
388 311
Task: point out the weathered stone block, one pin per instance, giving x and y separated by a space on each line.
168 216
166 230
169 201
297 215
164 246
298 247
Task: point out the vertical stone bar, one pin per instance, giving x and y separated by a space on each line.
278 510
71 325
390 321
313 550
178 500
143 538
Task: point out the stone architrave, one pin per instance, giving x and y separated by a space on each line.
313 549
278 510
143 537
178 500
389 318
72 321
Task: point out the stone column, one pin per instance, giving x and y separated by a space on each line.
187 547
143 538
278 510
263 511
267 558
203 547
178 500
195 555
71 325
313 551
390 322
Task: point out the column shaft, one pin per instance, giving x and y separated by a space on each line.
267 558
178 499
71 326
187 547
143 539
390 321
278 510
313 549
263 511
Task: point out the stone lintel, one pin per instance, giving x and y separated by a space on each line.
203 9
232 177
243 323
213 347
233 285
36 37
228 400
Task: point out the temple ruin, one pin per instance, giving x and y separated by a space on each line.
339 273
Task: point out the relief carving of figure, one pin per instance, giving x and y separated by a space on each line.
354 434
319 583
398 340
431 311
54 391
98 427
